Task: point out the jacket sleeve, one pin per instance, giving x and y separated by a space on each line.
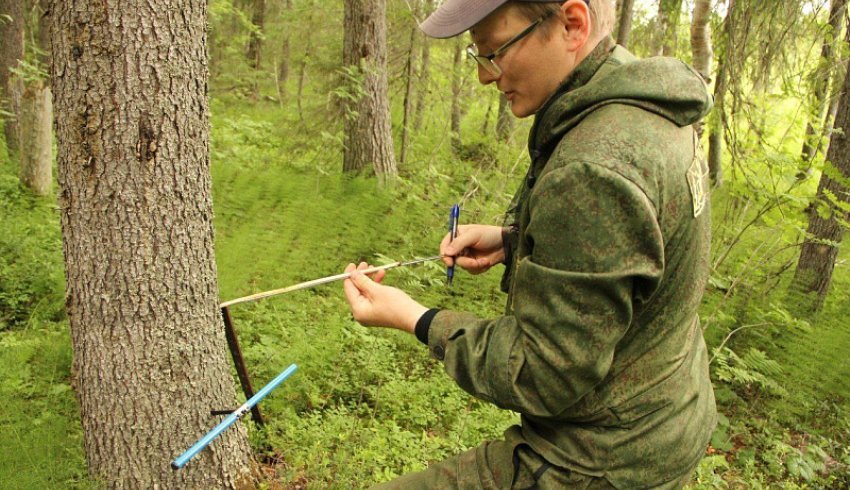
596 247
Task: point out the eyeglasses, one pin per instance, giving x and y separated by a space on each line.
488 61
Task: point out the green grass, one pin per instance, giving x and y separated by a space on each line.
369 404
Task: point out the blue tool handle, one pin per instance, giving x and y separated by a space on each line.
190 453
454 217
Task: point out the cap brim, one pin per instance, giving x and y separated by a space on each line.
454 17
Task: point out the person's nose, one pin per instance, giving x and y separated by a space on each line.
485 76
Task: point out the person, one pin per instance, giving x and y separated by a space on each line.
605 248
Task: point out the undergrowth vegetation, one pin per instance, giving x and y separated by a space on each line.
368 404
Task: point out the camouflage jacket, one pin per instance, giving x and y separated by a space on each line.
600 349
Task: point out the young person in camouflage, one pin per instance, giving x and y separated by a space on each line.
606 258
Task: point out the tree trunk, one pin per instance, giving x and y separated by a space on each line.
36 137
457 87
408 88
718 118
827 218
35 118
701 45
624 24
302 70
255 43
11 50
820 80
424 73
368 140
283 64
505 120
150 358
701 39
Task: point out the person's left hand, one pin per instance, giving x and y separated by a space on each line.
373 304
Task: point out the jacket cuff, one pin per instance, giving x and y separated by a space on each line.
423 325
510 237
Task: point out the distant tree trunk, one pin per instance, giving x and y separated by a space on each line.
505 120
150 358
424 73
283 64
11 50
457 87
718 118
624 24
412 52
701 44
36 115
701 39
302 68
820 80
36 137
825 232
368 140
255 43
667 27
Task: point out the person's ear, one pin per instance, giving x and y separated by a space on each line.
574 19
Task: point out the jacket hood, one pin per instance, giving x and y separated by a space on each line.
665 86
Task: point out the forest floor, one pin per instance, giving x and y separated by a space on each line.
372 400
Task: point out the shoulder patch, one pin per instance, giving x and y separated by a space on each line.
698 179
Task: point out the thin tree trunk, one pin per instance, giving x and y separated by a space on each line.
11 50
302 70
457 87
255 43
813 275
624 24
423 91
718 118
368 140
283 64
505 120
409 89
701 45
701 39
820 80
150 358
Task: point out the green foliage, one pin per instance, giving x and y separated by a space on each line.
31 278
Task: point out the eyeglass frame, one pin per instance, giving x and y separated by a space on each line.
490 64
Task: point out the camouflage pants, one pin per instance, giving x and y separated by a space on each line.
503 465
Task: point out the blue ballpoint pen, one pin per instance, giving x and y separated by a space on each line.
454 217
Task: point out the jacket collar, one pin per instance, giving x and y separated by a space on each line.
578 78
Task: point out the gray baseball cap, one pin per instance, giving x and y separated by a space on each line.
454 17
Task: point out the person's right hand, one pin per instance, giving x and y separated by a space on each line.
476 248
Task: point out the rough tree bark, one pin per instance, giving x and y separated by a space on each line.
820 80
827 219
150 358
11 50
368 140
624 23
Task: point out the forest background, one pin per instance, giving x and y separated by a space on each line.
300 189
